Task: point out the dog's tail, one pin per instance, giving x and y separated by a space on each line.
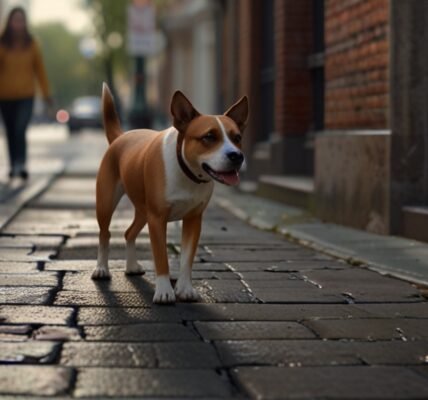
110 117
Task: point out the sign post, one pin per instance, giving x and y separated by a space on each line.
141 43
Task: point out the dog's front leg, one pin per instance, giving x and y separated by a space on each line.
189 242
164 292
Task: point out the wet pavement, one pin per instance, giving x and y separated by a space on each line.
276 319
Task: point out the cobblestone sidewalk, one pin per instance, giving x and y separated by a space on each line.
277 320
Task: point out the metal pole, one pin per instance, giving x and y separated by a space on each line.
140 115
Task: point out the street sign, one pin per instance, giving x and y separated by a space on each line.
142 36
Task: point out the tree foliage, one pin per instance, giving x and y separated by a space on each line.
109 18
70 74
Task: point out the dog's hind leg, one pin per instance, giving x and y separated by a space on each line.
132 265
109 193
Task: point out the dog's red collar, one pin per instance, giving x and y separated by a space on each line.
182 163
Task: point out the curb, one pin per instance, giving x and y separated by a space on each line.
290 230
17 202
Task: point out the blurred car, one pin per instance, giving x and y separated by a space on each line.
85 112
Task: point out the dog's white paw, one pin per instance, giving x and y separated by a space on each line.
185 291
164 293
134 269
100 273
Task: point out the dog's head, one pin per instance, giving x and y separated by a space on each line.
211 144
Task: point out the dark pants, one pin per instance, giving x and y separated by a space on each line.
16 117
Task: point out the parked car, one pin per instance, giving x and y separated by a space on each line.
85 112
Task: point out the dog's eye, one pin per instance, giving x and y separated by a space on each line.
237 139
209 138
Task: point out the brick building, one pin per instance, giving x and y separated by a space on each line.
338 98
335 89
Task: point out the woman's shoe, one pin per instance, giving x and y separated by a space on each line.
24 174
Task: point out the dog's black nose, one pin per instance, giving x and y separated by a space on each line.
236 157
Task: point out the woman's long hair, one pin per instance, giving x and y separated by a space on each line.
7 38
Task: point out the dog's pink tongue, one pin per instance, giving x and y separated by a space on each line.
231 178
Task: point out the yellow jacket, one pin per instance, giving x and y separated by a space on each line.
19 70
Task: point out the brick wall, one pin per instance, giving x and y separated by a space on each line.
293 44
356 64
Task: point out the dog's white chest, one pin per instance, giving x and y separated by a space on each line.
181 193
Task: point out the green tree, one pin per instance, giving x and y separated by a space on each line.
110 28
70 74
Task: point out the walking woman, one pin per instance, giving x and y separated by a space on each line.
21 64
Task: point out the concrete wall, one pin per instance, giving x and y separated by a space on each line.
409 107
352 179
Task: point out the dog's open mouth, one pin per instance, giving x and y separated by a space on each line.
230 178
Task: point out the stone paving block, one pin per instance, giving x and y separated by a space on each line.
395 352
423 371
262 246
103 298
216 312
365 286
266 312
7 267
41 242
15 329
119 282
283 284
34 380
225 291
143 242
307 295
28 353
74 185
142 355
89 265
90 253
397 310
153 383
362 382
120 316
320 352
371 329
211 267
81 265
288 266
253 330
148 332
11 337
294 353
58 333
35 315
25 295
25 255
268 255
33 228
33 279
257 276
32 215
67 201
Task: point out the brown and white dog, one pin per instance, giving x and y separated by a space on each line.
168 176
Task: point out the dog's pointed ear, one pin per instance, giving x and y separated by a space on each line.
182 111
239 113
